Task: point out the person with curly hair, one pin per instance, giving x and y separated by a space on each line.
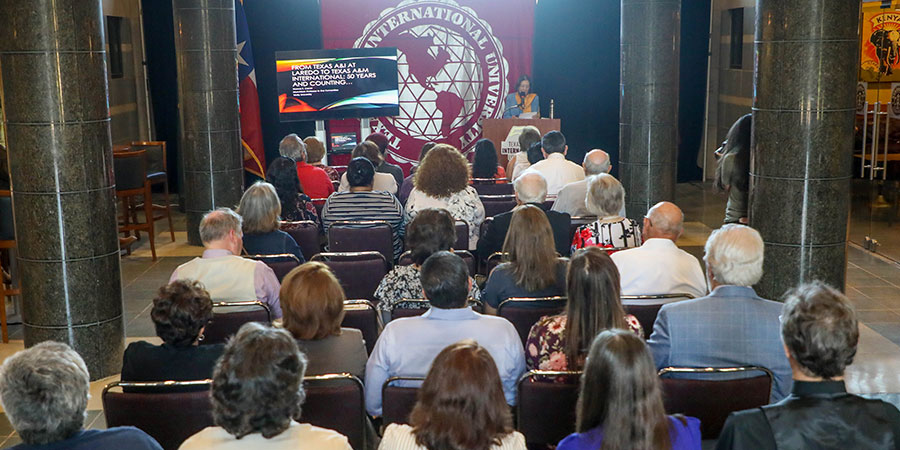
295 205
257 392
442 181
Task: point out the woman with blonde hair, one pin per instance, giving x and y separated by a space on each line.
533 269
260 210
312 301
442 181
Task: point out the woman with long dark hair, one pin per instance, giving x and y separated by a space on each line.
620 405
733 169
295 205
485 163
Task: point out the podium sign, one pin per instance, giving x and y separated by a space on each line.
498 129
509 148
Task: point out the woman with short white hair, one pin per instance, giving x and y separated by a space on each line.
260 210
605 198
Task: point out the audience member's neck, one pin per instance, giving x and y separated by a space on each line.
360 188
653 235
219 245
798 375
453 308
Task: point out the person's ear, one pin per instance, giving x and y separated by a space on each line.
544 152
566 150
647 225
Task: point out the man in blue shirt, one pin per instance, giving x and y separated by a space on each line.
408 346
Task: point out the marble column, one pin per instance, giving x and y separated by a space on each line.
648 104
803 117
210 132
60 153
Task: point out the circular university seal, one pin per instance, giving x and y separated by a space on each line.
452 73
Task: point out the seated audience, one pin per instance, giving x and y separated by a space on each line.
519 162
225 275
315 181
313 304
533 268
407 346
295 205
361 202
535 154
260 211
620 403
556 168
462 384
732 326
605 198
431 231
442 181
820 331
659 266
531 189
394 170
560 342
571 197
44 391
315 153
180 312
257 392
485 163
381 181
407 185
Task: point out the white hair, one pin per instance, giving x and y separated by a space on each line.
531 187
591 166
605 195
734 255
216 224
292 147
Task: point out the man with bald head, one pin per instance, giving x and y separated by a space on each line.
659 266
531 188
571 197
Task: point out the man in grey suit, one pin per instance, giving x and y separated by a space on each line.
732 326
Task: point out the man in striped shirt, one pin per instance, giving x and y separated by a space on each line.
362 203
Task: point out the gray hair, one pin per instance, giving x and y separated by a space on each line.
259 208
216 224
605 195
531 187
734 255
292 147
667 219
44 392
529 135
596 162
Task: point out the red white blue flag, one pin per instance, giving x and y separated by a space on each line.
251 128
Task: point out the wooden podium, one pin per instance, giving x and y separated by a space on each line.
497 129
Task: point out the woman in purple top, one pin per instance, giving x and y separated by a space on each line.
620 405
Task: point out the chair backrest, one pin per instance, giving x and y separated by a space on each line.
306 234
280 263
489 186
397 402
360 236
416 307
525 312
495 260
712 399
497 204
130 170
646 313
225 324
462 235
467 256
548 203
578 221
7 226
545 413
169 417
361 314
336 402
359 272
156 154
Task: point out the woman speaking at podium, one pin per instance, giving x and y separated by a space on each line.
522 101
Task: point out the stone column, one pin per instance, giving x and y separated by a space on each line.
60 153
648 106
210 130
803 118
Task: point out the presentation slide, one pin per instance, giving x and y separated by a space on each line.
337 84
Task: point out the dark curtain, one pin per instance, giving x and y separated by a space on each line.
162 78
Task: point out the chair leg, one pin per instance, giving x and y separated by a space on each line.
148 215
4 327
168 209
132 208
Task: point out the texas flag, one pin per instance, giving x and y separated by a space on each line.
251 129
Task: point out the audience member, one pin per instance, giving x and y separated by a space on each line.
605 198
571 197
257 391
592 284
44 392
733 169
820 331
181 310
732 326
431 231
485 163
407 185
535 155
442 181
533 268
315 153
659 266
361 203
519 162
313 304
462 384
380 181
394 170
556 169
226 276
295 205
407 346
531 189
260 211
314 180
620 404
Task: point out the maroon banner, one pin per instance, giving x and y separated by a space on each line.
457 61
